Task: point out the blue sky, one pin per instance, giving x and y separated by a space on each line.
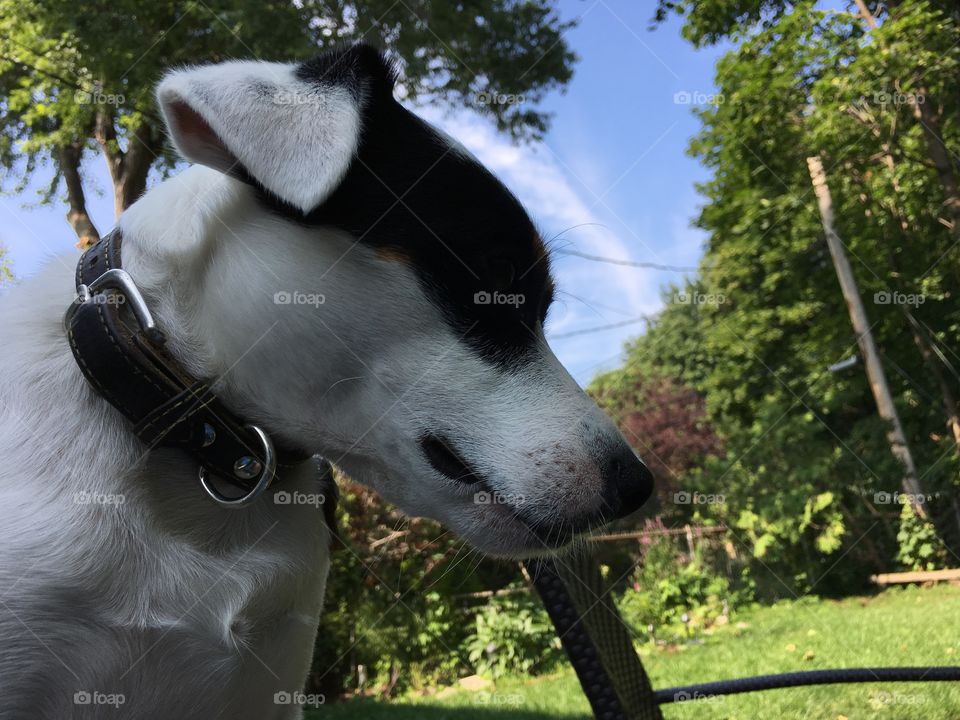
613 163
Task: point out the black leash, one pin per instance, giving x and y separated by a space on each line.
594 637
838 676
600 649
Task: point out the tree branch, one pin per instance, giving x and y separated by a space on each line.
106 134
143 147
940 156
78 217
929 121
128 169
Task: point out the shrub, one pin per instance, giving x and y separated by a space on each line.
920 547
672 595
512 635
391 620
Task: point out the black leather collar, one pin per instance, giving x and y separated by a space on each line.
123 356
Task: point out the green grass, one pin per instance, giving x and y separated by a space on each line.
908 626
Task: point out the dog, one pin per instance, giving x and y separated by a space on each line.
348 278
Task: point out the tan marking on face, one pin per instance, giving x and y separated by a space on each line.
392 254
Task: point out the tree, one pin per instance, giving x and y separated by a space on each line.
77 79
806 473
917 27
850 89
394 609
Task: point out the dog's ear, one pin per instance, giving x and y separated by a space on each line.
291 128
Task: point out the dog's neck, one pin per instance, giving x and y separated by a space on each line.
173 238
209 259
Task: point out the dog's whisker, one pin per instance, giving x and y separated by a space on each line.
338 382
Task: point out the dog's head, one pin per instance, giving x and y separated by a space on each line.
380 298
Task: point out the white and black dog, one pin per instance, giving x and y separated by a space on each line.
332 262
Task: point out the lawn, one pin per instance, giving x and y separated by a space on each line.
910 626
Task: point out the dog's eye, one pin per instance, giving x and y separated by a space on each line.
500 273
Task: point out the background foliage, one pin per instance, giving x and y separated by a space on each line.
797 451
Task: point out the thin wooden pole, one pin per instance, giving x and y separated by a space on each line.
861 325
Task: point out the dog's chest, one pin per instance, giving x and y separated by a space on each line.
180 627
233 633
237 643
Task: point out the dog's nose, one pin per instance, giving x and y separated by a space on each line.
627 481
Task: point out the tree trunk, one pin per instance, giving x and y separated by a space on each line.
940 155
144 146
866 14
128 172
78 217
128 169
946 392
106 134
950 408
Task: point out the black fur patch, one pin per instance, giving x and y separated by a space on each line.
362 69
473 246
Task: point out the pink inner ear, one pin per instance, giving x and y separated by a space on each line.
192 125
196 139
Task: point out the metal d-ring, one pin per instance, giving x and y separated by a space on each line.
263 482
117 279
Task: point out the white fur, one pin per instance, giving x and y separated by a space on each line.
188 610
297 139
